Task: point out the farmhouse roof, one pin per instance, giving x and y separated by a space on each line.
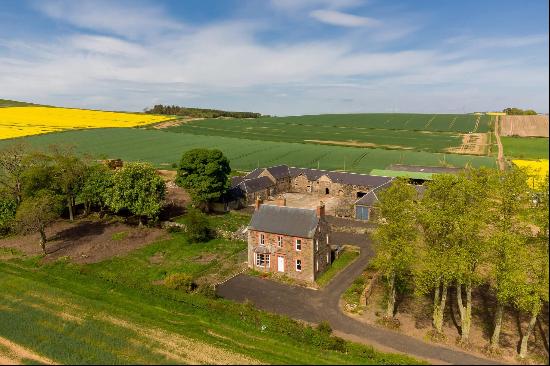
285 220
424 169
340 177
235 181
254 174
256 184
279 171
371 197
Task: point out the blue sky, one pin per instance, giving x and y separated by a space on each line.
278 57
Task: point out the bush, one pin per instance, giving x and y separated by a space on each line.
180 281
197 226
8 207
324 327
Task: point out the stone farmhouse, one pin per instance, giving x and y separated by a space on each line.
263 183
291 241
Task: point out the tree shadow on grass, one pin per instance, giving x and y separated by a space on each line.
66 238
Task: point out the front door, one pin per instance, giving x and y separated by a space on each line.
280 264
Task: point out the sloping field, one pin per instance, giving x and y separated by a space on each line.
25 121
163 149
536 126
525 147
324 131
464 123
536 169
59 314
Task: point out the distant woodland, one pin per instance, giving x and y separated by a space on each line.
198 112
519 111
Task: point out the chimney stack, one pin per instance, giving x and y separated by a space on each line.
321 209
258 204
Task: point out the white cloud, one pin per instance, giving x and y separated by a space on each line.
121 18
339 18
225 65
293 5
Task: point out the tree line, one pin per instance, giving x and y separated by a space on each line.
518 111
36 188
198 112
481 228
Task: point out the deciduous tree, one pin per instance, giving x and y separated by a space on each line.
36 213
98 182
203 173
395 237
138 188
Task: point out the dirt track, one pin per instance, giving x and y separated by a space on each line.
535 126
500 157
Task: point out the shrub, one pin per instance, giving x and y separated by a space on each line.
197 226
324 327
180 281
8 207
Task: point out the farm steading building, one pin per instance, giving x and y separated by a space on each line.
263 183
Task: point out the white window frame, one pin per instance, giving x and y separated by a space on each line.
328 257
327 238
298 263
279 241
316 245
262 239
298 242
265 258
317 265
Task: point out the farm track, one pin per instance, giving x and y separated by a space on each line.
500 157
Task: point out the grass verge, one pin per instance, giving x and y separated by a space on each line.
348 255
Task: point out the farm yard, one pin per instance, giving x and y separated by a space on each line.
32 120
163 148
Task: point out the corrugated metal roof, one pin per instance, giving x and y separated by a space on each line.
402 173
424 169
284 220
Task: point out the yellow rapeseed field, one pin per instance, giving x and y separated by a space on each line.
537 170
25 121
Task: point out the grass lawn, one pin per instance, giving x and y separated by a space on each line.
80 314
348 255
525 147
164 148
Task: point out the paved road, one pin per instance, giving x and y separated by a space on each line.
315 306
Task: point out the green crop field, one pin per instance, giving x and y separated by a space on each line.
298 129
164 148
525 147
463 123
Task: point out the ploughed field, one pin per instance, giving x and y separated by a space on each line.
420 132
164 148
33 120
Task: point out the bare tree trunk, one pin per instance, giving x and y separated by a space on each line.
391 296
467 319
439 307
70 204
525 338
42 238
498 323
